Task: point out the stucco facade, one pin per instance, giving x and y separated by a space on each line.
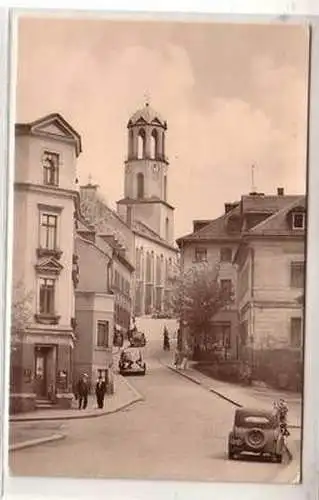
45 199
258 244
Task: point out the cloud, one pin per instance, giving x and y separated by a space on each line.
211 148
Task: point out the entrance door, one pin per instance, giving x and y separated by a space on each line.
41 359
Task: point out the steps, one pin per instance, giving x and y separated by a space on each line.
43 404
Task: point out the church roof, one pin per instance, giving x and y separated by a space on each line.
148 116
143 230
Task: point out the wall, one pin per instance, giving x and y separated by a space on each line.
93 267
28 160
90 308
106 220
150 214
153 180
272 269
158 250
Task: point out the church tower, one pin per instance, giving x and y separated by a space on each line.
146 170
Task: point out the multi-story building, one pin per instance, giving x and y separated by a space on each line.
271 272
146 210
94 306
258 244
120 238
44 267
214 243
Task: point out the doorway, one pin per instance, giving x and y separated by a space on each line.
42 370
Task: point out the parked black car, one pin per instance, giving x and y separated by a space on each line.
256 432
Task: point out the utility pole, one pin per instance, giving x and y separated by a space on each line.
253 187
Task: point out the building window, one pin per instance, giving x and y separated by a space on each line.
140 185
167 229
130 144
158 270
298 220
154 144
226 289
141 144
200 254
48 231
165 188
226 254
297 274
102 333
50 162
295 332
148 268
47 296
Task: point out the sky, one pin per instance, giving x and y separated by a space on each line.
234 95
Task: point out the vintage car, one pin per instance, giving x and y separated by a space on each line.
137 339
256 432
131 362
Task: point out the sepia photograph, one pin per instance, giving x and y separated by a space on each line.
159 249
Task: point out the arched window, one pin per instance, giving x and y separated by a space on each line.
167 229
163 144
165 188
154 144
140 185
130 144
141 144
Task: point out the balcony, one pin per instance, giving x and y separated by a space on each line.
47 319
49 252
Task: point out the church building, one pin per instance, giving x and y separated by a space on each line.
146 209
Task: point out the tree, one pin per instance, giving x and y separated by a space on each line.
21 311
197 298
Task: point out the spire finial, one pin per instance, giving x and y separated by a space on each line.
147 98
90 180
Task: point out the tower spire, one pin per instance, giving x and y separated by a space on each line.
147 98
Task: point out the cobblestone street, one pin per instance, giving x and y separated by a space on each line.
178 431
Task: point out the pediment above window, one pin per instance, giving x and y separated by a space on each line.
48 265
53 125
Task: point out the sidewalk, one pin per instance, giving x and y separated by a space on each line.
124 396
253 397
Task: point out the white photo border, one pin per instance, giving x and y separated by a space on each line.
13 487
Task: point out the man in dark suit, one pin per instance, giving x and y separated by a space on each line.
100 391
83 391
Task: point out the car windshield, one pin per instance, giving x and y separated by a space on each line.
132 354
255 420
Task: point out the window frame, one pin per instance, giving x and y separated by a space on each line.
56 169
300 333
199 250
224 249
46 312
294 226
294 265
105 323
230 281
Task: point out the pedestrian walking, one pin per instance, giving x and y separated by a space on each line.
184 363
177 359
83 391
100 391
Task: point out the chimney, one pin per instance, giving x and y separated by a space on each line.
228 207
280 191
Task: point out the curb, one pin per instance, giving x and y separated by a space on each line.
214 391
36 442
76 416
